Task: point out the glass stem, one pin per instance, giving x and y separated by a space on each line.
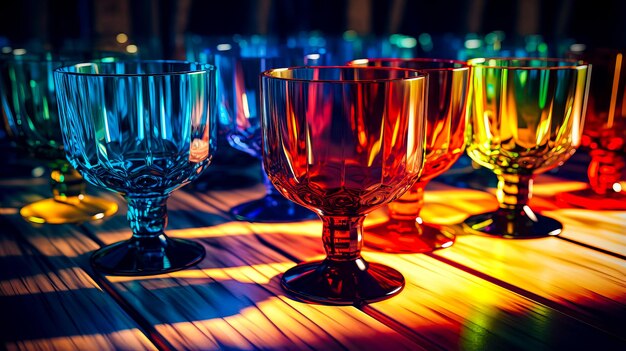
343 237
66 182
409 205
147 216
605 170
514 190
270 190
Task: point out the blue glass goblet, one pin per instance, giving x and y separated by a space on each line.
143 129
241 100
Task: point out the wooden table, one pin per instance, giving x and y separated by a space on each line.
566 292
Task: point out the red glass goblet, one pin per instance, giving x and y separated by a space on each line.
405 230
343 141
604 134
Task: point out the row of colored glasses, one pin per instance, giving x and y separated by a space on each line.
330 144
340 141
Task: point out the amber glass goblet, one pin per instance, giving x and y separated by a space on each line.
29 102
405 230
604 134
343 141
526 117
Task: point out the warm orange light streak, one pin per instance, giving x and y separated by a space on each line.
220 230
307 228
548 189
544 266
616 76
440 210
243 110
604 229
25 182
130 339
9 248
254 274
244 102
433 299
8 211
324 327
62 280
63 246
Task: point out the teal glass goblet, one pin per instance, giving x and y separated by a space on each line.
29 104
143 129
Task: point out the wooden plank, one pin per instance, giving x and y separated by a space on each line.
579 280
446 308
233 299
588 284
457 310
602 230
48 301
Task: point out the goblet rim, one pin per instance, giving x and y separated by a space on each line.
268 74
463 65
206 68
273 53
479 62
61 58
599 50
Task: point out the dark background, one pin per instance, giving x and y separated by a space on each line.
163 23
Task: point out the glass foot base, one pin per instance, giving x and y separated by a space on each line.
70 210
587 198
394 237
342 282
147 256
522 224
272 209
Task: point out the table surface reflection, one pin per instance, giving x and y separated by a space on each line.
480 294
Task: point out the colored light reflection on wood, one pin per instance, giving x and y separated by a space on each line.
131 339
233 300
256 274
451 314
254 328
243 307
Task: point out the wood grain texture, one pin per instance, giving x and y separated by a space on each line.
233 299
444 307
480 294
582 280
49 302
